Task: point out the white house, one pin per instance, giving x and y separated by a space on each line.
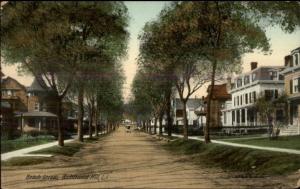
246 88
192 105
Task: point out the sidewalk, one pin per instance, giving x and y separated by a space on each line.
24 152
283 150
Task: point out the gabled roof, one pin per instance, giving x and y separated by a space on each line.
219 92
5 78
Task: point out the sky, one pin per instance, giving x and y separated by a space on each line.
141 12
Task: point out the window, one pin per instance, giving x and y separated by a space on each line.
296 59
241 99
269 94
250 98
254 96
296 85
246 80
276 93
238 102
246 98
233 101
291 86
281 77
239 83
273 75
243 116
253 76
36 106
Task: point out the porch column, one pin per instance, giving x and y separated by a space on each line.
241 115
246 116
40 124
22 123
235 116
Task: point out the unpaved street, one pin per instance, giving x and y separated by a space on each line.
128 160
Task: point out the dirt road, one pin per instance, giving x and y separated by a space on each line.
128 160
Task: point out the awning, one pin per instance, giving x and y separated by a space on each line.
36 114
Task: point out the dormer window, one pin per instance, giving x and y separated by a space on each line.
239 83
273 75
253 76
246 80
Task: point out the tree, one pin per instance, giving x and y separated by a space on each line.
54 41
162 47
267 108
217 34
47 53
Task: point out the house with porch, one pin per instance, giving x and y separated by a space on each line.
246 89
192 105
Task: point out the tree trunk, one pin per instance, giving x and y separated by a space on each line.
60 124
160 125
107 128
210 95
169 118
80 114
149 122
155 125
96 122
149 126
185 122
91 122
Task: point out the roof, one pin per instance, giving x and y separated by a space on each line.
6 78
219 92
37 114
35 86
192 103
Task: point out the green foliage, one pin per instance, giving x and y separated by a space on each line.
24 142
24 161
68 150
286 142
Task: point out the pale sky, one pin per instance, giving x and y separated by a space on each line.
142 12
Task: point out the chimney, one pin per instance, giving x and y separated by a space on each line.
253 65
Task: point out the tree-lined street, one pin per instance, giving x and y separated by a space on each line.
152 137
132 160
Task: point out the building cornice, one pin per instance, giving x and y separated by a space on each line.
257 82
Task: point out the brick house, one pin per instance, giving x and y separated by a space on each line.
220 96
291 75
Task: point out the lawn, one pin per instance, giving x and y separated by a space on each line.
68 149
249 161
24 142
23 161
289 142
